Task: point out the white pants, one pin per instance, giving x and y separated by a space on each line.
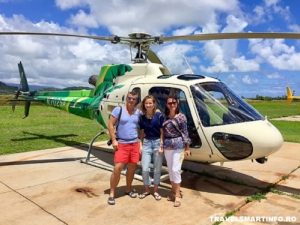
174 160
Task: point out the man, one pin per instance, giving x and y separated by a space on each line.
125 143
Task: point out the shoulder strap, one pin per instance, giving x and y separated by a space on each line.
174 122
119 117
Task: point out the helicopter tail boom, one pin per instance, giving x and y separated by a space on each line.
75 101
83 103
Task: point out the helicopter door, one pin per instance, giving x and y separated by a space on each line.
161 93
199 145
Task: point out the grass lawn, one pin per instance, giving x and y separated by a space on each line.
275 109
45 127
290 130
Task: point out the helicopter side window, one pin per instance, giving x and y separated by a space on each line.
217 105
161 94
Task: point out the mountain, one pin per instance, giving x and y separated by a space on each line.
78 88
34 87
6 89
62 89
11 88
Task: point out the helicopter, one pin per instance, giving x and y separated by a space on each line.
222 126
291 95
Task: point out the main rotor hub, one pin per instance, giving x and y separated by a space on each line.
139 36
140 41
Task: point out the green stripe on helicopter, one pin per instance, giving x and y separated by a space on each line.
85 103
75 93
105 84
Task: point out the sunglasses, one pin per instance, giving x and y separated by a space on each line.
131 99
172 103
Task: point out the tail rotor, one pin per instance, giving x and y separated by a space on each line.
22 91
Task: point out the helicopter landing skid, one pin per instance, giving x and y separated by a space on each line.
91 145
97 162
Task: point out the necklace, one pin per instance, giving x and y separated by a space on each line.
149 116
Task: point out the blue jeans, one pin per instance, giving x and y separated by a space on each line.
150 149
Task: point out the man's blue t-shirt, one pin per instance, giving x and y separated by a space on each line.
128 125
152 126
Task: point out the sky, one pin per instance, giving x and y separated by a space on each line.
249 67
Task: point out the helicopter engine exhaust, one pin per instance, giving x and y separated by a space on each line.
93 80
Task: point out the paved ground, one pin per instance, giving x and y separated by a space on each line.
289 118
53 187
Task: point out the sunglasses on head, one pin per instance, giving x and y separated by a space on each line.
172 103
131 98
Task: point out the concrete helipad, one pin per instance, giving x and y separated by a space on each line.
52 187
289 118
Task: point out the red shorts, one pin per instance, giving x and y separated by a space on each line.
128 153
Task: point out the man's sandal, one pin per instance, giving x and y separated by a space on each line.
157 196
132 194
144 195
111 201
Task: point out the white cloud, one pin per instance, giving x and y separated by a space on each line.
53 60
173 56
184 31
294 27
125 16
248 80
243 65
221 52
84 19
214 52
68 4
269 9
232 80
234 24
277 53
270 3
275 75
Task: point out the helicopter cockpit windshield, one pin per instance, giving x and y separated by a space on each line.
218 105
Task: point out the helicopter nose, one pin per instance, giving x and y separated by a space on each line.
253 140
267 140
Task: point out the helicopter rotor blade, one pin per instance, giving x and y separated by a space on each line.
223 36
161 39
152 56
113 39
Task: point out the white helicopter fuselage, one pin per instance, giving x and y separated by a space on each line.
222 126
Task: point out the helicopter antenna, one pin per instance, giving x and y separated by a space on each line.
188 64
